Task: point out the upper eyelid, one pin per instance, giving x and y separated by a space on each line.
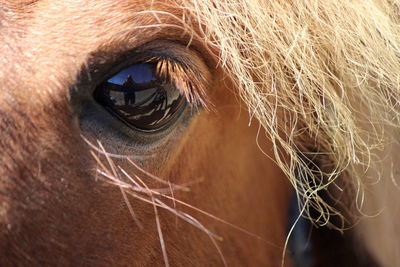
102 65
113 61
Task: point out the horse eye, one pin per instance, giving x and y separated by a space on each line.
141 99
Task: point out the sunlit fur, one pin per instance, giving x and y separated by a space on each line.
321 77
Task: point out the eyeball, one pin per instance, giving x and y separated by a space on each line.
141 99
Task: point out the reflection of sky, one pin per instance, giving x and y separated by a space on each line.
141 73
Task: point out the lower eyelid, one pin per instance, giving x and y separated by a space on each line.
97 123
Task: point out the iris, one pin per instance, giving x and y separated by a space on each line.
140 99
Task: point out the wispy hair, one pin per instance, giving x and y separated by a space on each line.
321 78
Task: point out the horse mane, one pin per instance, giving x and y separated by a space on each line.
321 78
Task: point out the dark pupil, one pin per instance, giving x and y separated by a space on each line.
137 97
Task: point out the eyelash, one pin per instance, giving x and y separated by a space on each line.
192 85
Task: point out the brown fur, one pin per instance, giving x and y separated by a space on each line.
54 211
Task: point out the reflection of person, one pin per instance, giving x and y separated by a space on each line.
160 99
129 91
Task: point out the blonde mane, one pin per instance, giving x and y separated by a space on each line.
321 78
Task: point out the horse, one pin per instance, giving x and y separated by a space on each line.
199 133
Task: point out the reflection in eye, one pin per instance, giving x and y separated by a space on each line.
141 99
